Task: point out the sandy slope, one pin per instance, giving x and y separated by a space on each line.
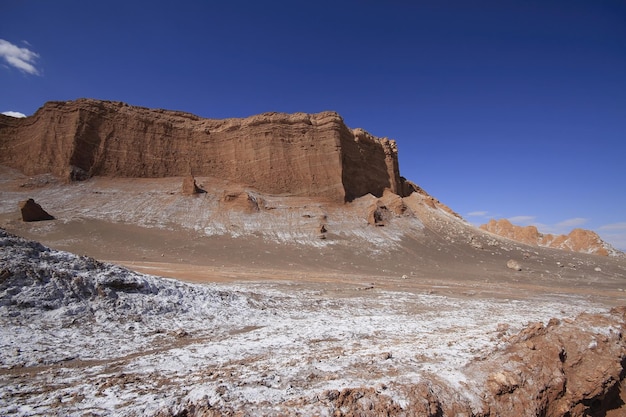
82 337
277 319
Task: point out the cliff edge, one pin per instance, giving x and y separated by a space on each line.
276 153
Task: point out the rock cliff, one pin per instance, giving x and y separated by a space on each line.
578 240
294 154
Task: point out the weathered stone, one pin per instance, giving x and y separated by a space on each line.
513 264
190 187
275 153
578 240
32 212
243 201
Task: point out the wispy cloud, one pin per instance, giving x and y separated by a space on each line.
569 223
614 226
21 58
522 219
615 234
13 114
561 228
477 214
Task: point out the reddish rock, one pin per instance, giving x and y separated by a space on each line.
190 187
32 212
295 154
578 240
561 369
242 201
378 214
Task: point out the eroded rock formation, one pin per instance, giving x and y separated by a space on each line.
243 201
578 240
295 154
33 212
190 187
559 369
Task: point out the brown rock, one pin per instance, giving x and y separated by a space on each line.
528 235
563 369
579 240
243 201
190 187
32 212
427 199
394 203
363 402
378 214
275 153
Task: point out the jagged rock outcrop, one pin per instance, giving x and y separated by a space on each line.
295 154
559 369
385 208
33 212
578 240
429 200
190 187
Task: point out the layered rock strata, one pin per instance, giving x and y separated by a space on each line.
293 154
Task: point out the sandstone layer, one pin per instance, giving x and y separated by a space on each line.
294 154
578 240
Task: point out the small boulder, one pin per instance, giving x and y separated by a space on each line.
378 215
514 265
242 201
190 187
32 212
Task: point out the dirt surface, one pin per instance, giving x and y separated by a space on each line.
419 316
189 256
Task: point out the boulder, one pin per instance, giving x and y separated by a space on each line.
32 212
242 201
514 265
190 187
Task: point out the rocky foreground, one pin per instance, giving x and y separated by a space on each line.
80 337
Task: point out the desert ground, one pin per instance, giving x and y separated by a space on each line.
259 315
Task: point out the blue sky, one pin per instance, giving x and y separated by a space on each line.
501 109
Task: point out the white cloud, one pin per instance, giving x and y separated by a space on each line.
13 114
477 214
614 226
21 58
522 219
561 228
569 223
615 234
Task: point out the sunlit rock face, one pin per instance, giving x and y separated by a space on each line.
578 240
295 154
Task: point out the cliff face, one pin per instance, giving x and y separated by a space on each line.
578 240
295 154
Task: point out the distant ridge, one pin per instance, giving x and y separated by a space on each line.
578 240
